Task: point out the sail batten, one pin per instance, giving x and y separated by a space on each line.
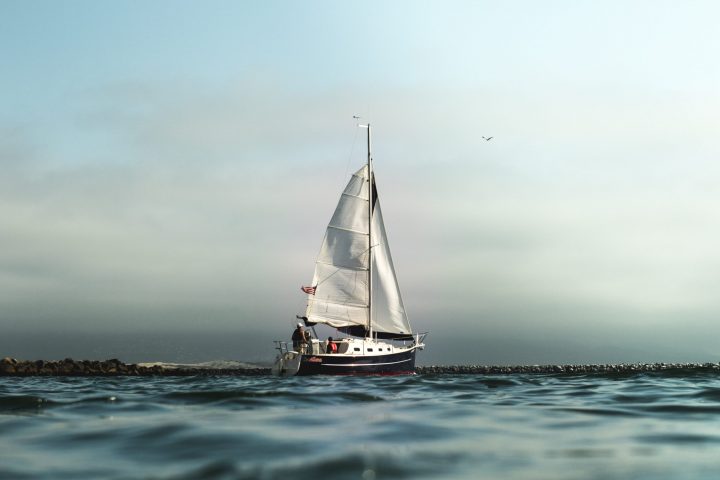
354 196
347 229
359 269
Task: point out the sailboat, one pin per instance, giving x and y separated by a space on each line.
354 290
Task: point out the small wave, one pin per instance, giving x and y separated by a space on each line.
684 409
213 396
24 403
605 412
709 394
635 398
211 365
216 469
254 397
350 465
15 474
679 438
499 382
159 432
469 383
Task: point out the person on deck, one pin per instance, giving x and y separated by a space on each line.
299 338
331 346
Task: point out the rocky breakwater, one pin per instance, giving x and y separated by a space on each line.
602 369
114 367
69 367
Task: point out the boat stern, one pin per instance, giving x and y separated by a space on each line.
286 364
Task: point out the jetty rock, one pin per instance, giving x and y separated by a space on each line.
113 367
599 369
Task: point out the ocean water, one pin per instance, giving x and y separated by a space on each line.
640 426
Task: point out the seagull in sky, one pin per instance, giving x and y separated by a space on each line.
487 139
356 117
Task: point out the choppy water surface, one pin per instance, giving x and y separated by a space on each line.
644 426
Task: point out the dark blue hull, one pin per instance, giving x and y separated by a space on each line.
401 363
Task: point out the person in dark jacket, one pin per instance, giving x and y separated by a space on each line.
299 338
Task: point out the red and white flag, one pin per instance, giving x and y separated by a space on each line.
309 290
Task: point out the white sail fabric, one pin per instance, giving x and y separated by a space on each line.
341 271
388 311
342 268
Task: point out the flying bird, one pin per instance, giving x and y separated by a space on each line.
356 117
487 139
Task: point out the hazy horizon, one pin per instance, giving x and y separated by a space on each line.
167 171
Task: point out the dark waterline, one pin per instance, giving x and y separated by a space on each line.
656 425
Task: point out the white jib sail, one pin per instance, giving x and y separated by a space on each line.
388 311
341 271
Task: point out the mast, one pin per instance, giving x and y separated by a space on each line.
370 212
355 245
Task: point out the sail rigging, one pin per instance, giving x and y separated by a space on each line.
356 287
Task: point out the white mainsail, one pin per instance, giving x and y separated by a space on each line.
342 270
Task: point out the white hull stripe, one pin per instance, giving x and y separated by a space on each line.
363 364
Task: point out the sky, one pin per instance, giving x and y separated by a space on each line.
167 170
